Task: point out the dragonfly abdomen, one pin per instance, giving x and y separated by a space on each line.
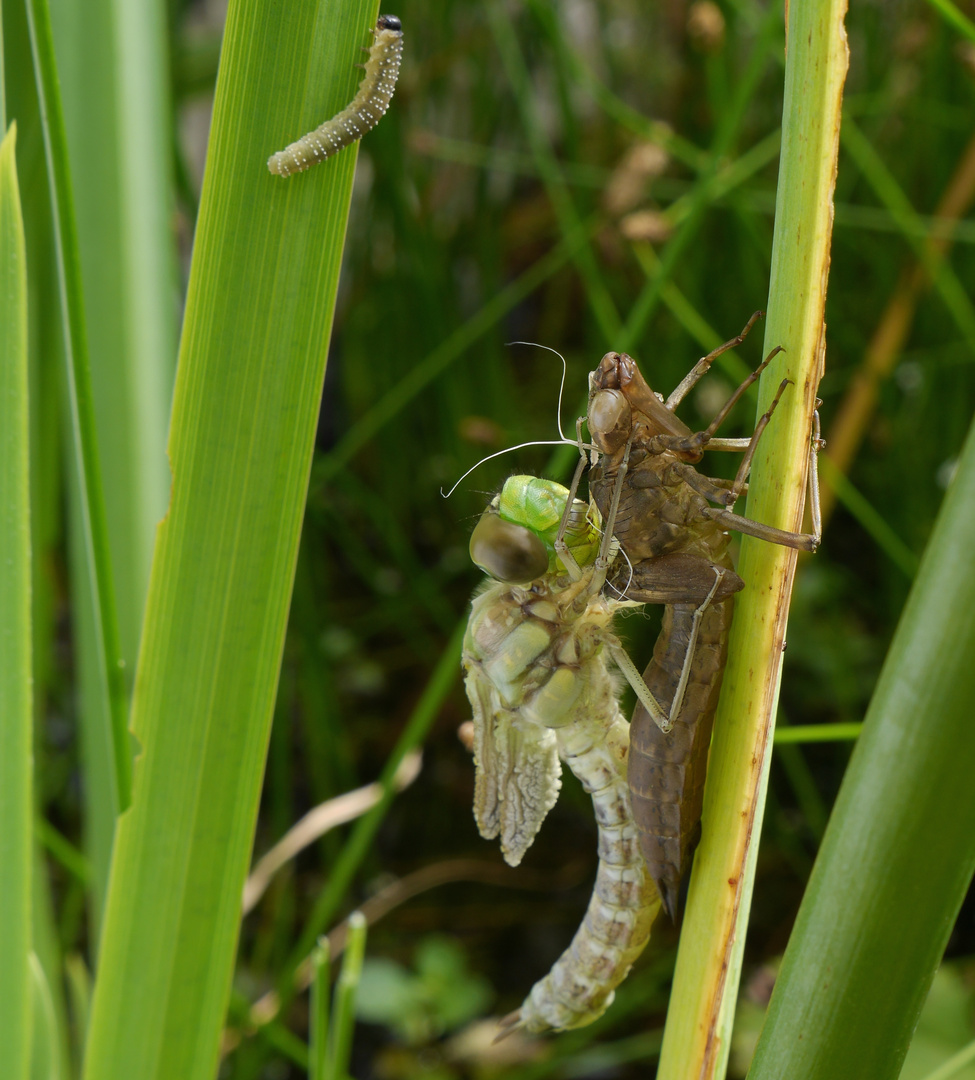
624 902
667 771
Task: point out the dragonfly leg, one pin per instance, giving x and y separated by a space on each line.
640 688
619 654
725 492
675 705
700 439
746 462
606 553
676 578
665 721
817 444
561 547
802 541
703 366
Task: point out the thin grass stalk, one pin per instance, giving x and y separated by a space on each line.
318 1041
955 17
697 1036
346 989
425 371
46 1063
886 345
16 696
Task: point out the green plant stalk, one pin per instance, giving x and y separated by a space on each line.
899 851
266 261
697 1036
16 697
46 1061
954 17
343 1011
318 1011
817 733
84 440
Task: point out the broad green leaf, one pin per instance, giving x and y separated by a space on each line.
899 851
258 318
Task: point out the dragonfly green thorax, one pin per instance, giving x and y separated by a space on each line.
515 539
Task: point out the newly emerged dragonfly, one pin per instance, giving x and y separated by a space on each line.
675 542
536 662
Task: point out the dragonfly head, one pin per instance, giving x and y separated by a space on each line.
508 552
609 420
620 397
514 541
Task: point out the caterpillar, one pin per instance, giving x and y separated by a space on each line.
360 115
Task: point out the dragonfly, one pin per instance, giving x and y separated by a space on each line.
536 656
676 542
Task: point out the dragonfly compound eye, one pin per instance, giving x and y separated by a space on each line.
508 552
609 420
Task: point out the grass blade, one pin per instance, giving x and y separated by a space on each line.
85 446
318 1042
346 989
112 68
45 1058
259 311
16 699
899 851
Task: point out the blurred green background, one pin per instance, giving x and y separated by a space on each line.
587 176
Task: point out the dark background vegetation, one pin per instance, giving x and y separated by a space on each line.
514 127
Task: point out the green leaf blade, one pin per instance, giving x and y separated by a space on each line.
899 852
16 699
258 318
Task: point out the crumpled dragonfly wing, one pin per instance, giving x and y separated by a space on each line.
517 770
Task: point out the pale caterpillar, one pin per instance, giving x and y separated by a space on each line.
360 115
